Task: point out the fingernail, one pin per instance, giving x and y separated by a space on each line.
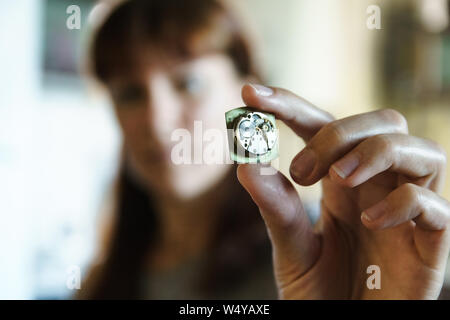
375 212
346 166
261 90
304 164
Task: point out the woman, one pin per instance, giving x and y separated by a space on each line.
179 231
381 211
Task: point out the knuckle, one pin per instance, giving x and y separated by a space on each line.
382 143
286 224
442 153
447 213
395 117
410 192
334 132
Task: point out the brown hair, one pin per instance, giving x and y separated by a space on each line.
186 29
182 28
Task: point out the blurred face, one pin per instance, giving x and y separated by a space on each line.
169 95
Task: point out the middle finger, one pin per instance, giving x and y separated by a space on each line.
337 138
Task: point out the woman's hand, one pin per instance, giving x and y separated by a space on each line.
380 205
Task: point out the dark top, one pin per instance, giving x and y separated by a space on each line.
180 283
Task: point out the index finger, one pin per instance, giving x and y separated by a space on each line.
299 114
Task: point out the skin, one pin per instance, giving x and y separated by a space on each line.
367 164
159 97
380 204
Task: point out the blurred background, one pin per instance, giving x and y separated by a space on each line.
59 142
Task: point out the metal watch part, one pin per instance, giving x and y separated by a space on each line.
252 135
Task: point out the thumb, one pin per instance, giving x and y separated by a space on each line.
295 246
